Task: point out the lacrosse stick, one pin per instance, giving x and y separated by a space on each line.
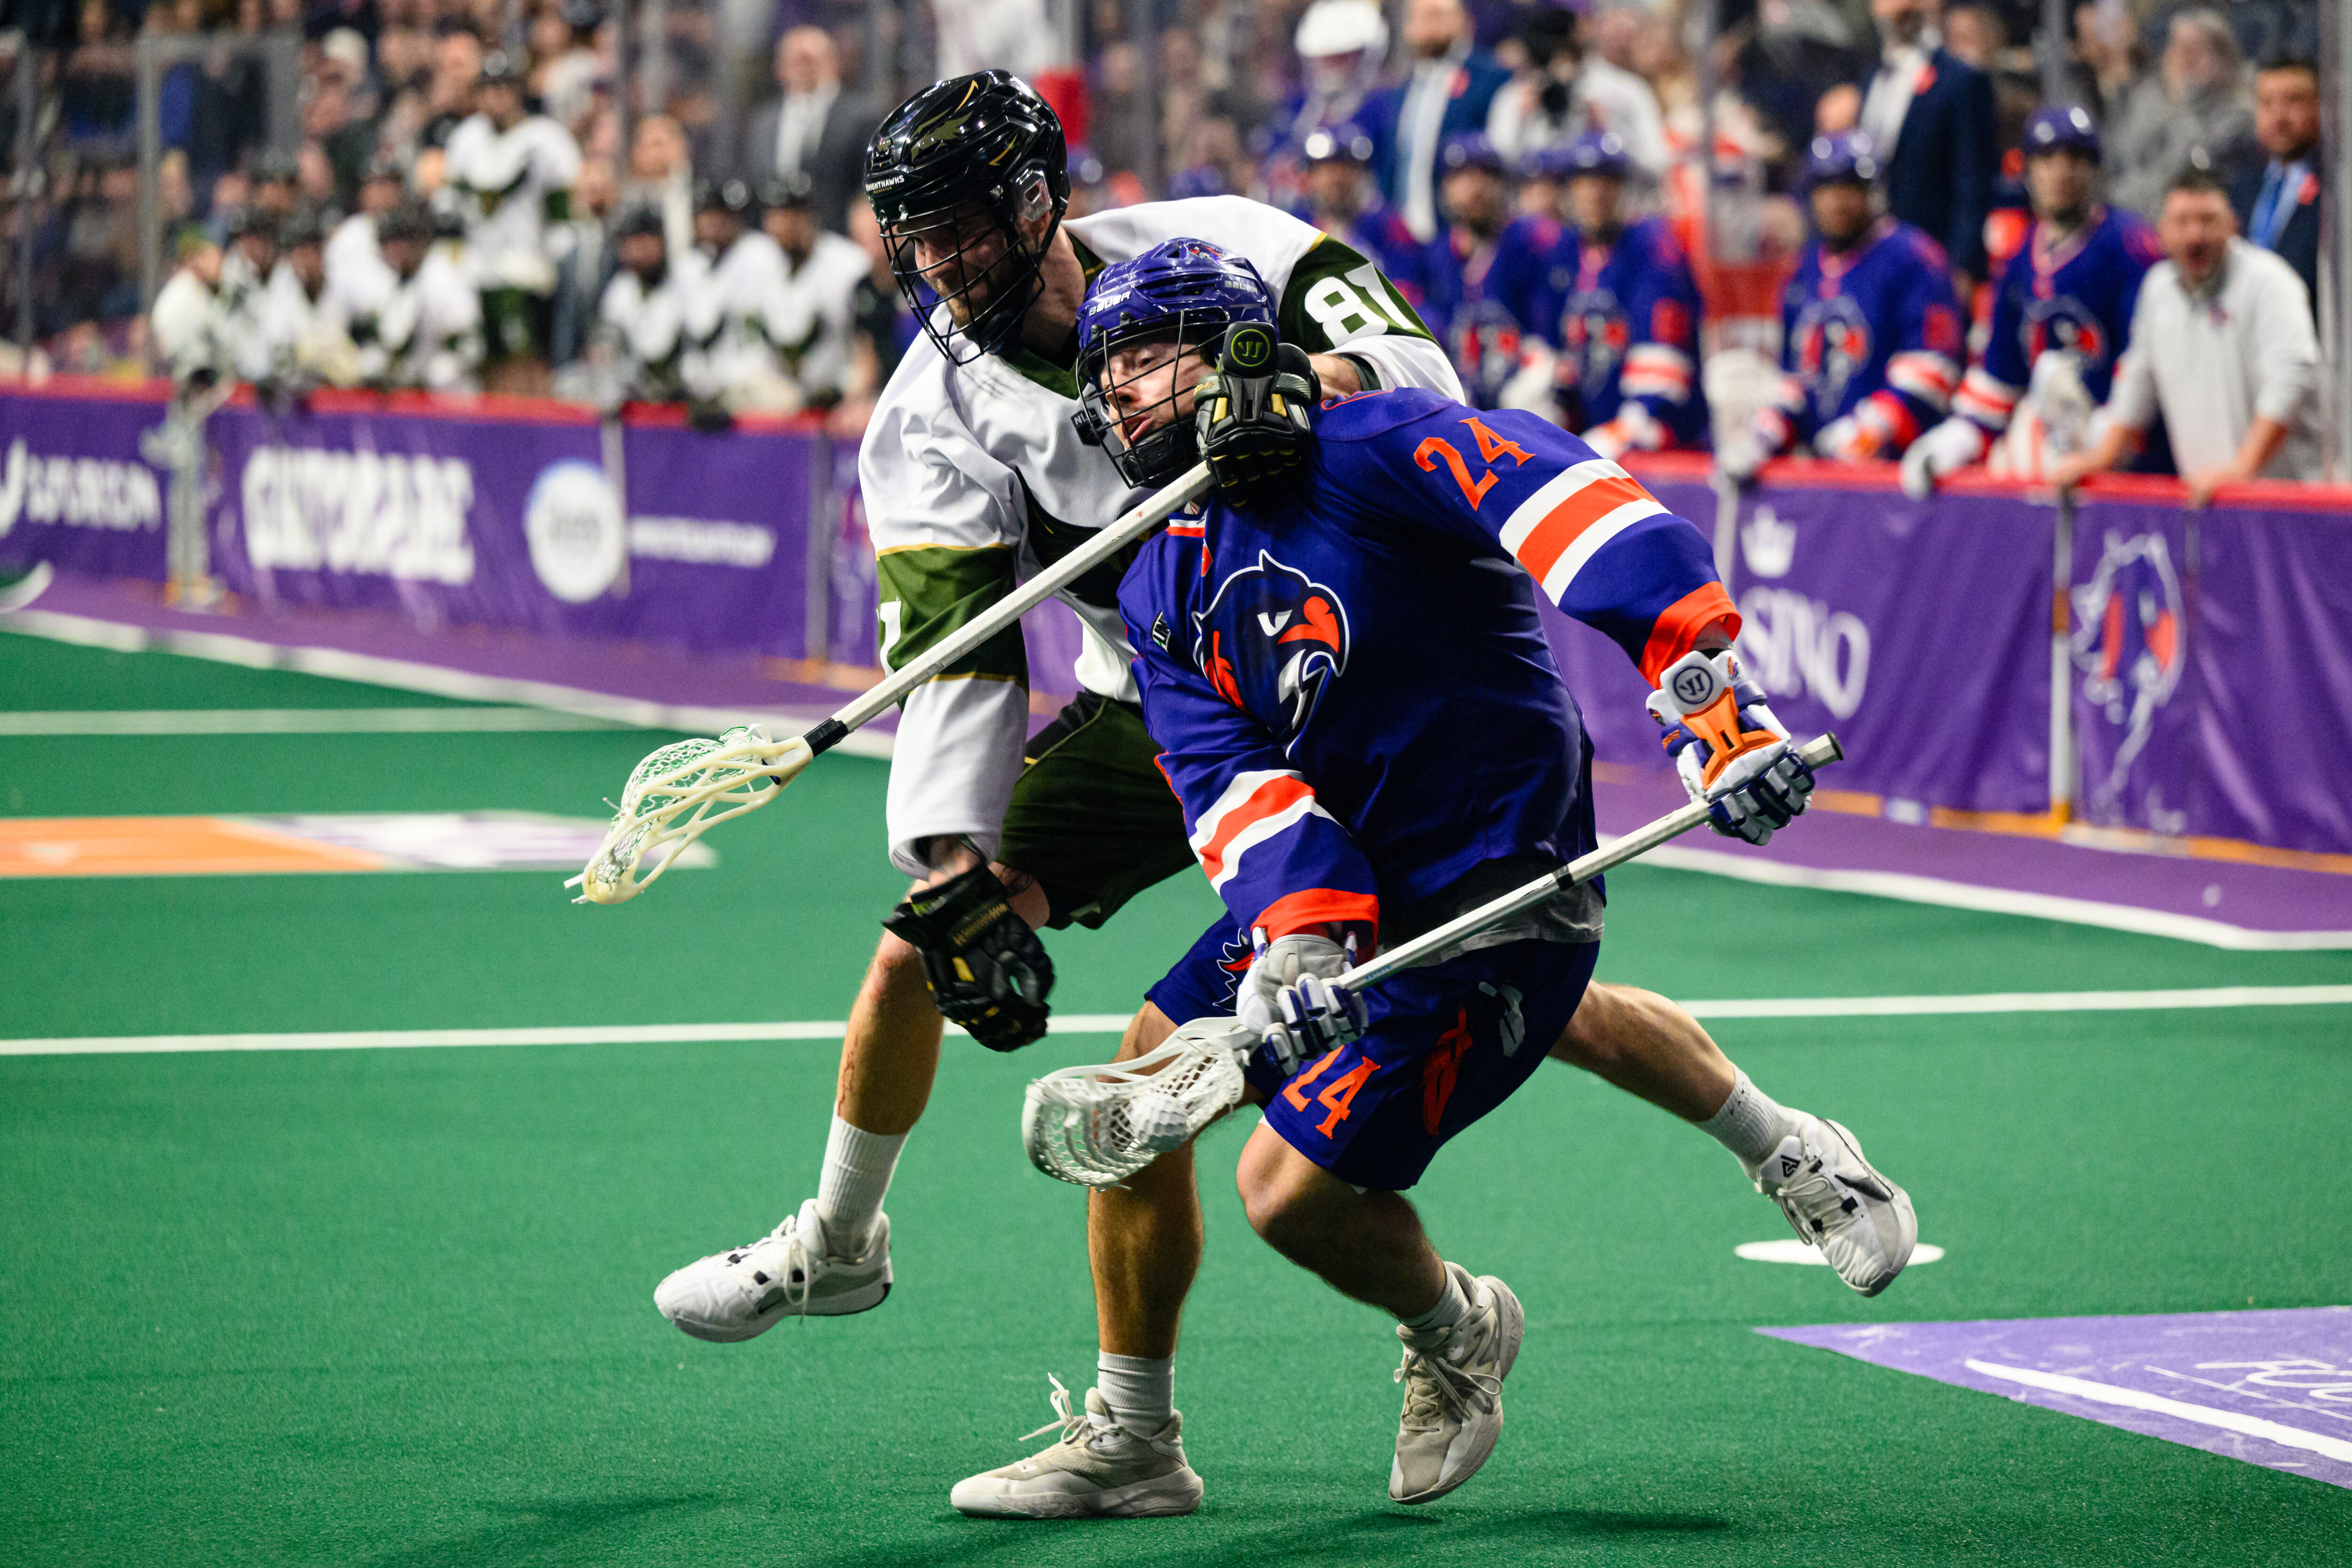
688 787
1096 1126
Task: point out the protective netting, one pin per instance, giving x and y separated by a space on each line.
1096 1126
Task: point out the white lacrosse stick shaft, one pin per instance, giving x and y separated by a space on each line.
654 809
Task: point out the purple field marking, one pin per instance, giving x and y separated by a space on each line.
2273 1388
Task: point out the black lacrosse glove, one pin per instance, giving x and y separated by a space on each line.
989 973
1252 413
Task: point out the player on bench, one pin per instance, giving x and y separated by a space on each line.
1340 655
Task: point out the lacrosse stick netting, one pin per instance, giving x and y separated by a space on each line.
1096 1126
677 794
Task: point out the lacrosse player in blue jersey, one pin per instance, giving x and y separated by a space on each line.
1340 660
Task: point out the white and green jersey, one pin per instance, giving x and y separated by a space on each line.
651 329
973 477
515 183
808 315
430 332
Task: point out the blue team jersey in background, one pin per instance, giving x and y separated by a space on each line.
1349 682
1480 299
2075 293
1625 320
1874 330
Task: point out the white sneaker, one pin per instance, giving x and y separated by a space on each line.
1835 1201
1454 1391
734 1295
1097 1470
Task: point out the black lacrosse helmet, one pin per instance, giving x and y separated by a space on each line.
968 161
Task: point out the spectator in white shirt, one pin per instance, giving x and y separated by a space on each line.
2221 342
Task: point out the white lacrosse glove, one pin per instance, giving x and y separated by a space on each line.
1958 443
1732 752
1258 1004
1740 456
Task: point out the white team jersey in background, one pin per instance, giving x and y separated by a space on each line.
507 177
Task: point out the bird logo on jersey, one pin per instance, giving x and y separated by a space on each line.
2065 322
1598 335
1832 346
2128 643
1271 640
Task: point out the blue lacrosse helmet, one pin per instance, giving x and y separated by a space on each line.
1471 150
2055 128
1849 155
1186 291
1594 153
1346 140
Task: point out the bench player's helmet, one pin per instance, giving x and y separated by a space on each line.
2061 126
969 180
1184 291
1842 157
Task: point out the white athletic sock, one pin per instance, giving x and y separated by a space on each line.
1750 1124
1140 1390
857 1167
1452 1307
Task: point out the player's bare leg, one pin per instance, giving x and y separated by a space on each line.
833 1256
1144 1240
1813 1169
1461 1334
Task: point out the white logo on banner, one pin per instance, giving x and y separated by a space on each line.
81 493
1768 544
698 541
572 521
1795 644
373 514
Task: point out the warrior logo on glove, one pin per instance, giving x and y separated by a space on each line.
1177 364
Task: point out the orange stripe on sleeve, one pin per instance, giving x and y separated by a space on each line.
1677 628
1549 540
1319 906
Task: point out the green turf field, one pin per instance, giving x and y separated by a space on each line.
393 1307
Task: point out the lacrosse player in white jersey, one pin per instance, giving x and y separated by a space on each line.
973 475
514 171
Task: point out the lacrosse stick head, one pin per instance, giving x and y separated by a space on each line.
677 794
1096 1126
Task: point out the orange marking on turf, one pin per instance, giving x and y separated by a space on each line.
162 846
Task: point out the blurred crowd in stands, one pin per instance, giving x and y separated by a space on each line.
1903 253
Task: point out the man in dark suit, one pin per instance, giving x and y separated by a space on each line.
2278 205
1930 115
813 128
1451 88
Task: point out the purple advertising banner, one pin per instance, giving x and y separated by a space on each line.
2270 662
2271 1388
76 487
1918 632
515 523
717 539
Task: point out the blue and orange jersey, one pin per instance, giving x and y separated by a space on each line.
1875 332
1480 300
2073 293
1349 681
1625 320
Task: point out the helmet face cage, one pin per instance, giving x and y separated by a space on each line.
1167 450
982 277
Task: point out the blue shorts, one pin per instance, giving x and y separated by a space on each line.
1445 1045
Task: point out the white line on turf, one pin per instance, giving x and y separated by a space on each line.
1997 900
1788 1249
407 675
2335 1449
1116 1022
295 722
